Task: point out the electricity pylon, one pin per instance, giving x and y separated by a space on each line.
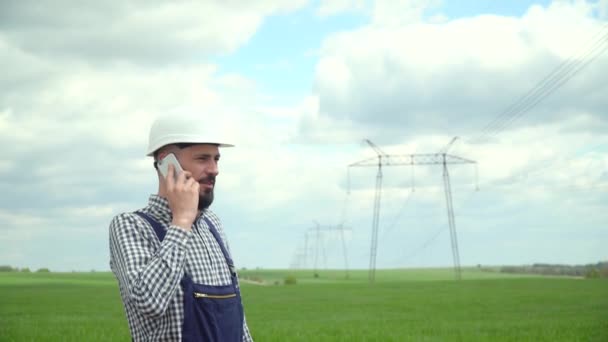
450 208
318 230
383 159
318 243
300 258
376 216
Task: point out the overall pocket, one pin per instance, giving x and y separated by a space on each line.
215 314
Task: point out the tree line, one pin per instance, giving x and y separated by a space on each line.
6 268
598 270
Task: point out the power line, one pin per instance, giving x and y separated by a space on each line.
398 216
560 75
542 170
567 188
426 243
550 83
436 233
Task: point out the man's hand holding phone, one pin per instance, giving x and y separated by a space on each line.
182 192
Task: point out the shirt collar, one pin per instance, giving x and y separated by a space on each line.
159 208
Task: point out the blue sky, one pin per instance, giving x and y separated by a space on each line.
297 85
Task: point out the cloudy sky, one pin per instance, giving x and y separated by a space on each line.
297 86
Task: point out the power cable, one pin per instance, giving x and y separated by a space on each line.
398 216
560 75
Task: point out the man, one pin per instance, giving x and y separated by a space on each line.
176 277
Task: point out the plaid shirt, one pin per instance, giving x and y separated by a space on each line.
149 272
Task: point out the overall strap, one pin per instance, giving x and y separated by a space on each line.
217 237
158 229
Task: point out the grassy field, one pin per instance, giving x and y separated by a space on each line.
403 305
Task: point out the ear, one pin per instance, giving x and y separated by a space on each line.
161 155
163 152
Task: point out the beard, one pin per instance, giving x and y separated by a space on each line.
205 200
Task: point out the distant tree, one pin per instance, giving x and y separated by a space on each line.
592 273
6 268
290 280
590 270
43 270
257 279
25 270
603 268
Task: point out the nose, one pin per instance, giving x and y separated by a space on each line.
212 169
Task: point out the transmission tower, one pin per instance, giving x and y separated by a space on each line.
300 257
318 242
318 231
342 228
382 159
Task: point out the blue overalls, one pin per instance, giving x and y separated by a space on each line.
211 313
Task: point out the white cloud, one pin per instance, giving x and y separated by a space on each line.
386 13
90 212
603 8
453 76
136 31
20 221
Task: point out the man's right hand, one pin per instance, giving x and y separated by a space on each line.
182 194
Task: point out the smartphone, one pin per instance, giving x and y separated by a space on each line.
163 165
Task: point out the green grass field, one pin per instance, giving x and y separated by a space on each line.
403 305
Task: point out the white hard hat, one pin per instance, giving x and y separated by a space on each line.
176 129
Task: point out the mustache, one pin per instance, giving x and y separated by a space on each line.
208 179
